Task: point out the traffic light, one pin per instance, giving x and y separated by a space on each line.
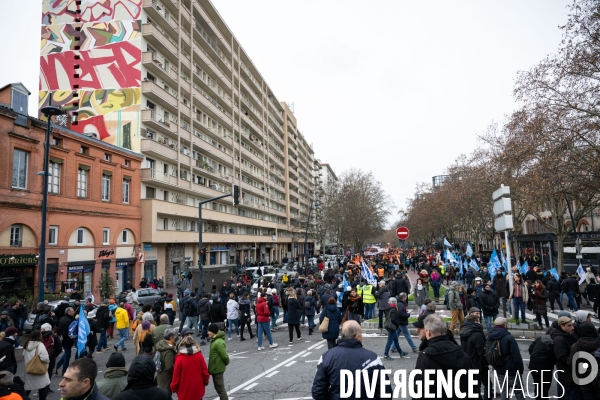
236 195
203 255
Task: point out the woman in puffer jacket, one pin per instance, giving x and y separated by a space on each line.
232 316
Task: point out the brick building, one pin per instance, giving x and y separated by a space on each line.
94 212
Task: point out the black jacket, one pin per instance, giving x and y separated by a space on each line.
403 286
348 354
541 353
294 311
553 287
63 330
508 347
472 341
217 314
470 302
204 309
140 381
7 350
571 285
562 350
191 307
499 283
489 303
103 316
403 315
443 356
392 314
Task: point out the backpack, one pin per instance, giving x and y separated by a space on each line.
275 300
73 329
493 354
446 301
158 362
307 304
188 307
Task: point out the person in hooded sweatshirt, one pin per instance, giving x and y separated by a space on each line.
218 360
140 381
245 315
167 350
442 356
472 341
192 384
580 318
115 376
589 342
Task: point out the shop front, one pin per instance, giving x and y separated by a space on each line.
218 255
125 271
150 267
17 274
80 276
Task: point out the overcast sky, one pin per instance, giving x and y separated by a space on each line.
400 88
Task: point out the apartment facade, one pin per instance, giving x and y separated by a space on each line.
94 210
168 78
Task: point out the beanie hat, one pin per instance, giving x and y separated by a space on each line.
186 291
214 328
587 329
11 331
146 325
116 360
193 294
500 321
170 295
564 314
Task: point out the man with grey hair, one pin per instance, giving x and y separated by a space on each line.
349 354
159 331
442 356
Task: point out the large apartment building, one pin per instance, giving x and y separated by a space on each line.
167 78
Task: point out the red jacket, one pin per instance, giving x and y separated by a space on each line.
192 387
262 310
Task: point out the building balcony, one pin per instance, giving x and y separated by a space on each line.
159 95
152 120
161 17
159 69
161 147
155 176
158 40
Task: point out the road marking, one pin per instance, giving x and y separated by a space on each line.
320 347
272 374
307 353
251 386
290 364
320 342
311 361
235 389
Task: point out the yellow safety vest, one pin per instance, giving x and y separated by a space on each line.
359 290
368 297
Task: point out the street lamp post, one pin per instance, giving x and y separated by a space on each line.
316 204
48 111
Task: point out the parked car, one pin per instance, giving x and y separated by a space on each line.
28 325
147 296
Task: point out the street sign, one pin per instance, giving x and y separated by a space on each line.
402 233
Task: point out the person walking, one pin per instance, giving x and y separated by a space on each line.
204 315
563 340
159 331
553 289
33 347
499 286
294 315
170 308
540 309
53 346
541 362
245 317
115 376
166 348
112 308
263 318
489 304
189 359
392 322
140 382
233 309
218 360
436 281
456 308
67 341
382 296
310 309
122 326
191 312
403 316
420 293
334 316
103 321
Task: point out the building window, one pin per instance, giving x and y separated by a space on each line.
192 226
106 236
54 177
106 157
165 224
84 150
126 184
16 235
82 178
127 163
56 142
125 236
105 187
19 174
53 236
80 237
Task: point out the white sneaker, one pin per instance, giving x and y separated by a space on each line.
229 338
261 348
273 346
238 335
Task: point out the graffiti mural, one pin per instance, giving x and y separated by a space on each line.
65 11
90 64
59 38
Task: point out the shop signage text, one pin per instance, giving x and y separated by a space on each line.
18 260
105 253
